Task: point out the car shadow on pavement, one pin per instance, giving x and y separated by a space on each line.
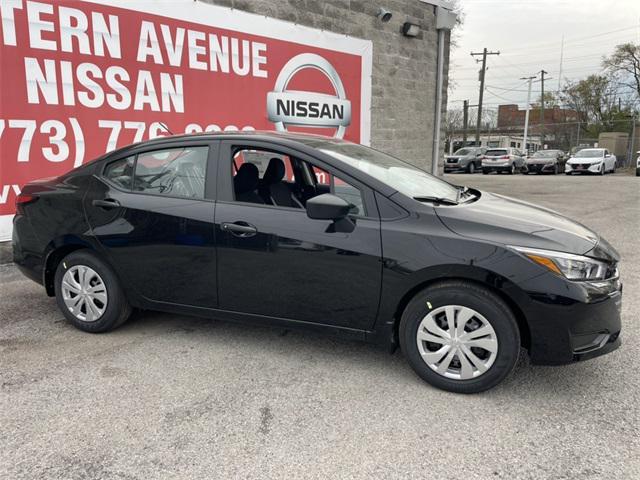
304 347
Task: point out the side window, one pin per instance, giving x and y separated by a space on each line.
269 178
120 172
265 177
176 172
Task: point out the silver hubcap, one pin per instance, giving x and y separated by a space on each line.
457 342
84 293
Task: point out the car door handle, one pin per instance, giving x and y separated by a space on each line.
106 203
239 229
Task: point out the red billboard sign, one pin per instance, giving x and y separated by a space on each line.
79 78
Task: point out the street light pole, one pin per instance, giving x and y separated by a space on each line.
526 115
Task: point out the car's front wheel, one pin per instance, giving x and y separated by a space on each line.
89 294
459 337
471 168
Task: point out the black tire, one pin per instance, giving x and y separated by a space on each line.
483 301
512 169
603 169
117 309
485 171
471 168
555 169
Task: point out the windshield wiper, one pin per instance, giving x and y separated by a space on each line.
437 200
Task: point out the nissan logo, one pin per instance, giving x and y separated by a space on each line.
308 109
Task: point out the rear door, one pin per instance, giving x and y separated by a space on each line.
277 262
152 212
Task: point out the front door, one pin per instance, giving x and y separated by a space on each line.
273 260
152 215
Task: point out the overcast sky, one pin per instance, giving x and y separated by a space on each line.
528 34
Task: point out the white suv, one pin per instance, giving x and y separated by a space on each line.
591 160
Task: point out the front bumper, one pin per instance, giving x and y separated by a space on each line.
580 323
540 167
457 166
583 167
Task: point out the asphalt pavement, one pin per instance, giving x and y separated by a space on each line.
176 397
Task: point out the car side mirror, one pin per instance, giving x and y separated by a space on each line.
331 207
608 155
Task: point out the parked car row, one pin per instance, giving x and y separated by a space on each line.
510 160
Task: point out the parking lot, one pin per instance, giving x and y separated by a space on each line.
168 396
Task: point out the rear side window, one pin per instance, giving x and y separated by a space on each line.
175 172
120 172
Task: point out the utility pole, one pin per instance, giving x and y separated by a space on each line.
526 115
542 74
633 138
484 54
465 121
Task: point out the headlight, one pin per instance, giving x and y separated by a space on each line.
572 267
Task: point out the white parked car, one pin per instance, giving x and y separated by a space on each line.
591 160
638 165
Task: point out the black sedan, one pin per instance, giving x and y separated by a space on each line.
305 231
546 161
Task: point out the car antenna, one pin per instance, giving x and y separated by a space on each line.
164 125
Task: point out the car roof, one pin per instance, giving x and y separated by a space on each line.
253 135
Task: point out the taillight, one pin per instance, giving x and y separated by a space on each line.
505 157
24 198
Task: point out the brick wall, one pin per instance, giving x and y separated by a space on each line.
404 69
512 116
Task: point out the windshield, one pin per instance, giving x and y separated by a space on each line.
545 154
463 151
589 153
402 176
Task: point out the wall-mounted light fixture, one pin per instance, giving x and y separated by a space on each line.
384 15
410 29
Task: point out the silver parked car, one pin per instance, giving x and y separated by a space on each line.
466 159
509 160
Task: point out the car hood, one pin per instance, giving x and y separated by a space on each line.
505 220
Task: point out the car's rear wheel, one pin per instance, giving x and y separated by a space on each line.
459 337
512 169
485 171
88 293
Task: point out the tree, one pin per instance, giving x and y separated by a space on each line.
624 65
595 99
550 100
